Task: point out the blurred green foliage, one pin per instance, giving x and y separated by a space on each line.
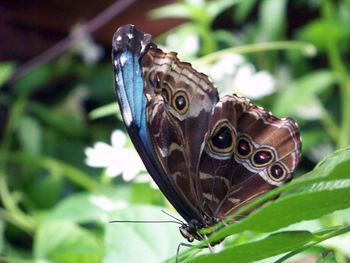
55 208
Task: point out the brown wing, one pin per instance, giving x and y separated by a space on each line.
247 152
180 103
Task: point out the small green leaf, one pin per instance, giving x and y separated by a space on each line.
215 8
30 135
272 25
314 32
49 184
6 69
106 110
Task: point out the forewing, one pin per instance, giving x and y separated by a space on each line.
129 45
180 105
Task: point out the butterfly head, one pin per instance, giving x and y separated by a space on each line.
190 231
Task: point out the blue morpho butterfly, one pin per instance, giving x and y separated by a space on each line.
209 156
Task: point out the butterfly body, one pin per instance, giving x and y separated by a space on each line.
208 155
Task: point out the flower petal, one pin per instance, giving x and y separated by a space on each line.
114 170
118 139
98 155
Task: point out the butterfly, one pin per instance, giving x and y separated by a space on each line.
208 155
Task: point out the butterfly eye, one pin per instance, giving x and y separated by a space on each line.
243 147
165 92
262 157
223 138
155 80
180 102
277 172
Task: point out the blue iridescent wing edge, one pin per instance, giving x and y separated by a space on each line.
129 45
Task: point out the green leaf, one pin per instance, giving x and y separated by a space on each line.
34 79
91 207
314 32
272 245
215 8
301 91
60 121
64 241
312 137
50 185
243 9
130 242
2 237
106 110
6 69
311 202
272 16
29 135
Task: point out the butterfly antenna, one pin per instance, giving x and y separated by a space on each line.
178 220
144 221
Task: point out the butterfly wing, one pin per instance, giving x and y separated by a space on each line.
129 45
247 152
181 101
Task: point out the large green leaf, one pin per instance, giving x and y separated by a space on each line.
91 207
135 242
314 201
64 241
272 245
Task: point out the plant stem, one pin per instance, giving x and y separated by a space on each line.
306 48
339 68
20 219
70 172
330 125
344 83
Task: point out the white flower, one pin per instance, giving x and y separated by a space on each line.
115 158
233 74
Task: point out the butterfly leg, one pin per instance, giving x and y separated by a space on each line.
210 247
178 250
